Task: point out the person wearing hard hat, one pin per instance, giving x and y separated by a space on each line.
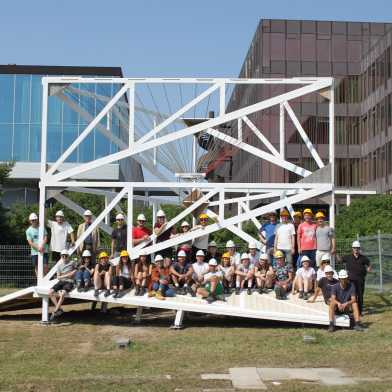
344 301
140 233
212 251
119 236
235 257
181 273
304 279
244 273
160 278
267 234
65 271
102 275
283 276
142 275
306 239
228 273
285 237
325 238
123 275
60 230
199 269
32 236
253 253
92 242
325 284
325 261
297 220
201 242
264 274
85 271
212 283
186 246
163 233
357 266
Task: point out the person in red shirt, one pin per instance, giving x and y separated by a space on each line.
306 238
140 233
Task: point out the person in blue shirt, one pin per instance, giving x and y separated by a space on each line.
267 234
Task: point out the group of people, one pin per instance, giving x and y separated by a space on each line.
295 258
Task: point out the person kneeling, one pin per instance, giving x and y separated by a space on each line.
123 279
65 274
212 283
343 301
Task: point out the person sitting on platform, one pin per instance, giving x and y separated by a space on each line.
102 275
304 279
155 273
160 277
325 261
85 271
325 284
344 301
65 274
228 272
181 274
235 257
142 275
264 274
244 273
283 276
212 283
199 269
123 275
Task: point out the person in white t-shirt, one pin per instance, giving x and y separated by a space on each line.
285 237
212 283
305 278
199 269
244 273
253 252
325 260
235 257
60 230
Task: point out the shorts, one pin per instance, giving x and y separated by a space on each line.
218 290
34 259
63 285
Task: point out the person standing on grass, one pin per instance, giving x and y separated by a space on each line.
92 241
267 235
357 266
285 237
32 236
140 232
119 236
344 301
325 238
60 231
65 274
306 239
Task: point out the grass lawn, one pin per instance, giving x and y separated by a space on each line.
80 354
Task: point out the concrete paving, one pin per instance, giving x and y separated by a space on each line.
246 378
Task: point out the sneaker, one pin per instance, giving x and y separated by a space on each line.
301 295
159 296
331 328
52 316
59 312
142 291
152 293
137 290
107 293
306 296
116 294
193 293
249 291
237 291
358 328
211 298
96 293
79 287
86 288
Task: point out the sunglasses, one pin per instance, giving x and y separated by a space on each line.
203 219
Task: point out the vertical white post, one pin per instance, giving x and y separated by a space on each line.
380 258
222 99
129 218
348 200
107 217
239 212
155 149
194 154
240 129
221 205
282 141
131 103
332 152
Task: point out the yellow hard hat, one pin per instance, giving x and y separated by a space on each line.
102 255
226 255
284 212
203 216
308 211
278 254
124 253
298 213
319 215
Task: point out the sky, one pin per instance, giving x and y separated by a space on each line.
152 38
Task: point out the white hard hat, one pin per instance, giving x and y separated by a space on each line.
161 213
181 253
325 257
88 213
141 217
244 256
356 244
252 245
230 244
120 216
86 253
213 262
328 268
343 274
185 223
200 253
212 243
64 252
158 258
264 256
33 216
59 213
304 258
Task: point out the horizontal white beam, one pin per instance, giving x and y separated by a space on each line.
354 192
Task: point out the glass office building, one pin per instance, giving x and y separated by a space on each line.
20 122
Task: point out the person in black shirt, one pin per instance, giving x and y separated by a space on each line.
357 266
119 236
325 285
343 301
